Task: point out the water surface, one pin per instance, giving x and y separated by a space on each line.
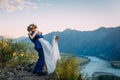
99 65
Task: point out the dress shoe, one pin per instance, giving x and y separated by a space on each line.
42 73
34 72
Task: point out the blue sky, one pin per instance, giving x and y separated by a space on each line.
57 15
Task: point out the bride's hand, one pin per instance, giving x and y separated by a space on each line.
39 32
56 38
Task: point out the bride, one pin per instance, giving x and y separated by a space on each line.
51 52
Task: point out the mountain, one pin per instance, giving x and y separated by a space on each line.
1 37
20 38
102 42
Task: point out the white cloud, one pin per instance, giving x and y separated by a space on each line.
45 4
14 5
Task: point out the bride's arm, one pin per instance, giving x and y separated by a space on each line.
33 35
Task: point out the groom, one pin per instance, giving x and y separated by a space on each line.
41 62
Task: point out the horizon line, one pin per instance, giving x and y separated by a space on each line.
7 36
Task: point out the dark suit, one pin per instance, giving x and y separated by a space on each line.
41 62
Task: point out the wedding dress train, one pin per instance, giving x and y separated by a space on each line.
51 53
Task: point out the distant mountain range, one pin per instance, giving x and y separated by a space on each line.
102 42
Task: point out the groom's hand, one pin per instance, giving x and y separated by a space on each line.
29 33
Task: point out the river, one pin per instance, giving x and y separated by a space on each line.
98 65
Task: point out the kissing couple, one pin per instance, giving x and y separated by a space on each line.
48 54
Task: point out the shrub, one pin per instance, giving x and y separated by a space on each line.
6 51
12 51
68 69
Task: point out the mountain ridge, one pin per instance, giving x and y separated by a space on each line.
102 42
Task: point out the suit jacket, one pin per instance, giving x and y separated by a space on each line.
36 41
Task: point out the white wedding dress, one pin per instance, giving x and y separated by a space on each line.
51 53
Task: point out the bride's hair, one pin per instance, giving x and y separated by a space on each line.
28 28
31 26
